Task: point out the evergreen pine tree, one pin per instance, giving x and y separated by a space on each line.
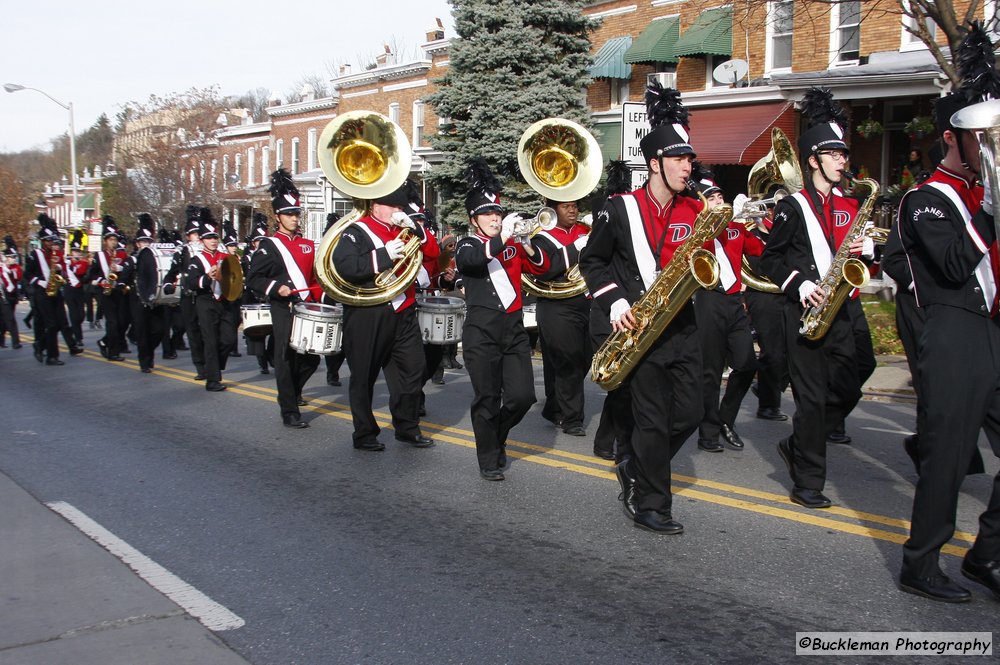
513 63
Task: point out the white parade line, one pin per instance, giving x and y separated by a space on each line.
210 613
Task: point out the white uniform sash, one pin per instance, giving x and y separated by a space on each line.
726 275
291 267
102 258
398 301
984 269
817 237
640 245
216 286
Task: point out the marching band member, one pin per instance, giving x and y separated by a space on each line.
112 271
50 308
10 280
494 342
148 321
564 324
74 291
260 347
201 279
724 329
948 232
283 263
334 361
175 279
448 283
173 323
809 228
635 236
385 336
231 308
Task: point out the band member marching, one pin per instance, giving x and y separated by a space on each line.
634 237
494 343
809 229
724 329
75 289
112 271
261 347
148 320
282 265
10 282
947 228
45 271
231 308
334 361
383 336
175 279
202 280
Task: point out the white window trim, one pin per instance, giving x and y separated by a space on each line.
710 82
619 92
265 164
311 149
990 10
769 67
279 150
214 172
225 172
905 43
394 112
251 166
418 123
295 156
238 167
832 62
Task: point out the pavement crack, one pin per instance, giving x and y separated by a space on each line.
102 626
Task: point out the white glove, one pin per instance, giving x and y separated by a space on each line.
395 249
580 243
868 248
403 221
805 289
43 283
618 308
507 226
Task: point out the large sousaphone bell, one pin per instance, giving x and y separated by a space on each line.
562 161
366 156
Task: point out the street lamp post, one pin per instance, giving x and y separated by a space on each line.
14 87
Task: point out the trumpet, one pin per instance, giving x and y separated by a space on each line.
748 209
526 227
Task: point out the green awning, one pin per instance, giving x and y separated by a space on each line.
609 137
656 43
86 202
710 34
608 63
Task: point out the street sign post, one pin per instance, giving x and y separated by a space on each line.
634 127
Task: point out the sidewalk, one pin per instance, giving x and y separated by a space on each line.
890 381
67 601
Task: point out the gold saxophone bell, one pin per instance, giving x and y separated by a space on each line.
366 156
562 161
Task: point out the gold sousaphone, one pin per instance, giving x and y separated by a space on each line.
366 156
562 161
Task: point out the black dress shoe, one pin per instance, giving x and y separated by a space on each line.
710 446
200 376
235 354
650 520
771 413
54 361
102 347
301 402
575 430
15 346
417 441
604 454
491 474
147 370
987 574
731 437
39 356
293 421
332 380
116 359
551 418
214 387
809 498
182 347
76 350
170 356
936 587
626 480
264 370
374 446
838 437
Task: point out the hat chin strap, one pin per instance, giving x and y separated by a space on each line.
822 170
663 177
961 149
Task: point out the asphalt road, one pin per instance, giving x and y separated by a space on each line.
333 555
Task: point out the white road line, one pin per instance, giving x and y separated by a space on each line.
889 431
210 613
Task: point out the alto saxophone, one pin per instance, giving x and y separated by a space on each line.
56 280
846 273
690 267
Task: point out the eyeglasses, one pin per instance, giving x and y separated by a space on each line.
836 154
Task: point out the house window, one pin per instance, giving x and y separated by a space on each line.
845 37
394 112
214 172
251 170
201 173
225 172
711 62
265 164
910 41
619 91
279 154
418 123
295 156
779 35
238 171
992 19
311 150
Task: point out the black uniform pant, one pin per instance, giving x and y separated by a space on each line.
375 339
564 327
114 306
959 375
333 363
666 394
498 358
767 316
825 386
292 369
189 314
50 320
149 325
218 338
614 428
8 320
724 332
864 351
75 308
173 337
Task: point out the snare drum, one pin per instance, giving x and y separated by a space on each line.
317 328
528 311
440 319
256 319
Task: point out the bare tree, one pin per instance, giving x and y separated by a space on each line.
255 101
319 83
15 207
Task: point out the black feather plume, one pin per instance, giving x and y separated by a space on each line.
699 172
107 219
9 241
281 184
331 219
819 108
76 238
206 216
46 221
164 236
145 220
663 106
480 176
619 177
191 212
976 65
259 218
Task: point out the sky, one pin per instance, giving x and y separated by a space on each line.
102 54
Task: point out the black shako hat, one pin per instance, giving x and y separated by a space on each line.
47 229
147 228
110 228
192 219
668 122
76 239
331 219
229 236
11 246
828 122
975 64
702 180
208 228
259 228
484 188
284 194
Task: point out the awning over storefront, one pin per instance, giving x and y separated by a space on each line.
86 202
608 62
656 43
739 134
710 34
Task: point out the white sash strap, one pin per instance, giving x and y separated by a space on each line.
102 258
984 269
817 237
501 282
43 264
292 268
726 275
398 301
216 286
640 245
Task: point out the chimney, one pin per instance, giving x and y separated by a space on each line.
436 32
345 70
382 59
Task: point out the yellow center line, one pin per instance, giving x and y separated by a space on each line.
562 459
